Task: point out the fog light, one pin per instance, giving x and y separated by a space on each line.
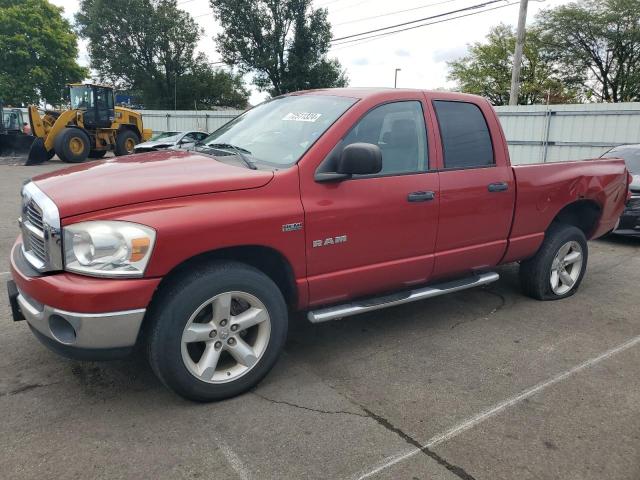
62 330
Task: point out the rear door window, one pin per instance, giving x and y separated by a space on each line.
466 141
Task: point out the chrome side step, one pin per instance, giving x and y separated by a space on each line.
368 305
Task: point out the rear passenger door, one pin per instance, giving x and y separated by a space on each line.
477 188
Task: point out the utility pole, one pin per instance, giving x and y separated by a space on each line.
517 56
395 80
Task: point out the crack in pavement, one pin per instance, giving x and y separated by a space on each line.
26 388
302 407
455 469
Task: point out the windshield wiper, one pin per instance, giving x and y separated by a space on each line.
237 150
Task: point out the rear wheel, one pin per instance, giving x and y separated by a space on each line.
557 269
72 145
126 142
216 332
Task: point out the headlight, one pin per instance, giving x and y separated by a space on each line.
108 248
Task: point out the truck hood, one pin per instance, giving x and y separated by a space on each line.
143 178
635 184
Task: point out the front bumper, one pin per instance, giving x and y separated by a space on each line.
67 312
82 330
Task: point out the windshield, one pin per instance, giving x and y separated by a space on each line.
81 98
163 135
630 155
11 120
279 131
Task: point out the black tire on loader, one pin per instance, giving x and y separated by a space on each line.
125 141
72 145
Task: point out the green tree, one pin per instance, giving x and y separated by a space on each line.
284 43
486 70
598 43
38 52
204 88
148 46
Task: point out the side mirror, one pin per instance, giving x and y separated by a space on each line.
360 159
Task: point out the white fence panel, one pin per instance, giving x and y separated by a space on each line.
178 120
540 133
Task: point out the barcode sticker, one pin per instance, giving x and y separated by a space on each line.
302 116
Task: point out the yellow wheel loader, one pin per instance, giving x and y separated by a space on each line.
92 127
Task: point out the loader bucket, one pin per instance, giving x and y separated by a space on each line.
37 153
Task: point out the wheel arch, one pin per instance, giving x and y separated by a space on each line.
583 214
266 259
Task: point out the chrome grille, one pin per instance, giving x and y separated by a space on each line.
34 215
634 203
40 224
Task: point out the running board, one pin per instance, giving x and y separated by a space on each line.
370 304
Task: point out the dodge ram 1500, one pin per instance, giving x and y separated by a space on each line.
332 202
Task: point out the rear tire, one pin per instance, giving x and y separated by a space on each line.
215 332
72 145
557 269
125 143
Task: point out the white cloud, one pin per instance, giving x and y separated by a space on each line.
361 61
402 52
448 54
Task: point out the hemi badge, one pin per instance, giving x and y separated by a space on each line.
292 227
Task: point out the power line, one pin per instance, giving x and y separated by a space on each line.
473 7
396 12
359 41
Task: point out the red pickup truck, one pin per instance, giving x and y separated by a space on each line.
332 202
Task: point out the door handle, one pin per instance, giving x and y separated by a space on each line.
421 196
498 187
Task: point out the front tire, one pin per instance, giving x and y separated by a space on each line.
126 142
557 269
216 332
72 145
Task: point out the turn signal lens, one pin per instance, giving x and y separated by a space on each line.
139 248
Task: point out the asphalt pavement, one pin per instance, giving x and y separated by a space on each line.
484 384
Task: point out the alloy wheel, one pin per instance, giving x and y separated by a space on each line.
566 267
225 337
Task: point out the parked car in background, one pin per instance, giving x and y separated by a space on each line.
630 219
175 140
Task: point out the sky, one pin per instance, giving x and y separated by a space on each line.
421 54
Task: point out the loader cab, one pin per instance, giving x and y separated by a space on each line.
11 118
96 101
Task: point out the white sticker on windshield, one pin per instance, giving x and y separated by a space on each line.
302 116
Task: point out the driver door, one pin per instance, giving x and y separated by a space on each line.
105 111
375 233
